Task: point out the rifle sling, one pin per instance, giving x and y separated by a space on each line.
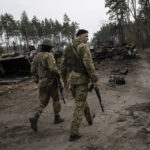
78 57
76 54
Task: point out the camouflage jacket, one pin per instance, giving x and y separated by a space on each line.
44 65
78 70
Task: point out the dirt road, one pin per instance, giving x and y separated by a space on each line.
121 127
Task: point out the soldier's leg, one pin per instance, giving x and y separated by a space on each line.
77 117
56 105
87 114
44 99
80 93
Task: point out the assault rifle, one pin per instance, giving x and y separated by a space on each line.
59 84
98 95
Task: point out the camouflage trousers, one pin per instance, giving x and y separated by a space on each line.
48 89
81 108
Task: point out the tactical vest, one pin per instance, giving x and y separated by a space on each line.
73 62
42 66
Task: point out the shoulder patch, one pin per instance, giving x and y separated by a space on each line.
51 56
54 62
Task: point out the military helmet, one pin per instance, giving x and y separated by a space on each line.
48 42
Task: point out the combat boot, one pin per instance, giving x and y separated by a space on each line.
74 137
34 121
58 119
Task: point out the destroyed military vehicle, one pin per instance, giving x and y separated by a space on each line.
14 64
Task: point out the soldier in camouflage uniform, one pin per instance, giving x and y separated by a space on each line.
44 68
77 69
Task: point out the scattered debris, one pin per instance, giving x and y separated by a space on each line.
114 79
124 71
23 88
148 130
140 107
35 87
122 119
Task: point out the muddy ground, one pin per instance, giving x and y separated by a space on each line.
121 127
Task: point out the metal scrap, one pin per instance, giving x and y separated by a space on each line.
105 50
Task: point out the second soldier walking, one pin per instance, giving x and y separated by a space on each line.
45 70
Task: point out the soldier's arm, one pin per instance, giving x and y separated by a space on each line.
64 67
88 62
52 64
33 66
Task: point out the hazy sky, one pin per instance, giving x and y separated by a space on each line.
90 14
